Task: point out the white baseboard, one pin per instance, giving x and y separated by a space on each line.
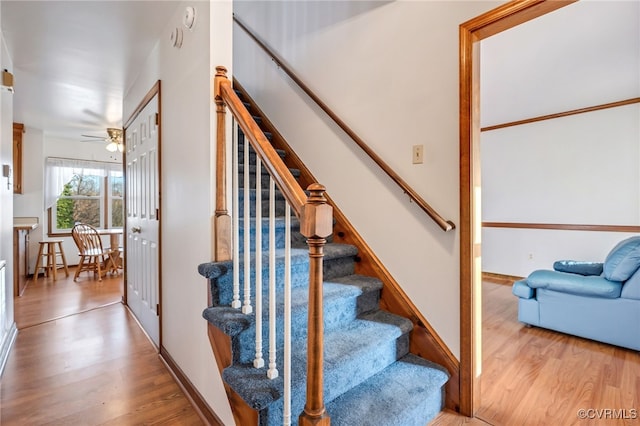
7 344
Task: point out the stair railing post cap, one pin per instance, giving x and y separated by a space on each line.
221 71
317 216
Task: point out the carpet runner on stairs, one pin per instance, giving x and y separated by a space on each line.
370 378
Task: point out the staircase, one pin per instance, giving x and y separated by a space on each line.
370 378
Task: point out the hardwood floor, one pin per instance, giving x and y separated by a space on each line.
451 418
45 299
533 376
80 358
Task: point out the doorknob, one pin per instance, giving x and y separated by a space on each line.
135 229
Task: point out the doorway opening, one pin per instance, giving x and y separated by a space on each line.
471 33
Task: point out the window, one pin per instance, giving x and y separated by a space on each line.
79 201
84 191
116 200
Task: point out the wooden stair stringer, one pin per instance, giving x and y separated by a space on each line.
243 414
425 341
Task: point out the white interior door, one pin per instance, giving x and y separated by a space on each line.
142 226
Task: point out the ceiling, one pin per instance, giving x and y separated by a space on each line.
73 59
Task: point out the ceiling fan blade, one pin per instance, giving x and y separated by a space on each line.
91 136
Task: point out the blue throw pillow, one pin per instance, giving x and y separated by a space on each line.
623 260
578 267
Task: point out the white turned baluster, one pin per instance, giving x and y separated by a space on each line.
246 307
258 362
236 219
287 315
272 373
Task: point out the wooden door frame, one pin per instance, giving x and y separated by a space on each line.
155 90
493 22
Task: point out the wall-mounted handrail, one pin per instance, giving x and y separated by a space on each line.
446 225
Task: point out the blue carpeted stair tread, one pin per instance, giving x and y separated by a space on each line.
241 135
298 255
406 393
264 193
338 262
298 241
361 281
232 321
252 170
281 153
336 250
279 223
214 270
352 355
264 176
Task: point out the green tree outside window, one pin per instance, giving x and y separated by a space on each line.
64 209
79 202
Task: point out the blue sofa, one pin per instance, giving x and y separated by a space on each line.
598 301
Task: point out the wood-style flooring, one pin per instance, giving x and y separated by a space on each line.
80 358
44 299
533 376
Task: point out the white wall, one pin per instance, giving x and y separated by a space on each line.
389 70
6 195
582 169
186 172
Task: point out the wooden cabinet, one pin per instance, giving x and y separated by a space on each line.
22 226
18 130
20 258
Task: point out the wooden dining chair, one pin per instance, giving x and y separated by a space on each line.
93 257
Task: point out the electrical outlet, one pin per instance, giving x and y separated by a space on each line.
418 154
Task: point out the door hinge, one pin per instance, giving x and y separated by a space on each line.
157 119
157 309
157 214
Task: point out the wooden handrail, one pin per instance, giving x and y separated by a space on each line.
316 223
270 158
446 225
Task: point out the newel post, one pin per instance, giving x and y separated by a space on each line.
222 221
316 223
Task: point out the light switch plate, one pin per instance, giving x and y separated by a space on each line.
418 154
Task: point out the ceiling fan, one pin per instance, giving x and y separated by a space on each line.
114 139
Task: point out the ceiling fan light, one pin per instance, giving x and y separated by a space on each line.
113 147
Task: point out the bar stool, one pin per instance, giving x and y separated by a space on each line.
48 249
